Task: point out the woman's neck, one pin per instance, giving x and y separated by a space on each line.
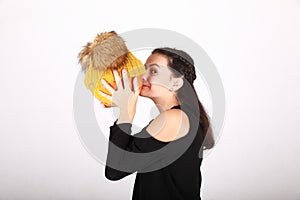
166 103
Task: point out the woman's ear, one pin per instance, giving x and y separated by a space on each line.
177 83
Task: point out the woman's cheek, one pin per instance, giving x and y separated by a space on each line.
158 89
155 81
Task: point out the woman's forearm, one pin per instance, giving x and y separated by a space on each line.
120 161
124 117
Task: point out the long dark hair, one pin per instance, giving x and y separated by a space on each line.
183 64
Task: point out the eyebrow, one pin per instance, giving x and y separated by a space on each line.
154 64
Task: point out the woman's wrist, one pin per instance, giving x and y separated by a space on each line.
124 117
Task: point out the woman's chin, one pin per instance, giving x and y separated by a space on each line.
143 92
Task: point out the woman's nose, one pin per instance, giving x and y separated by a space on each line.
145 76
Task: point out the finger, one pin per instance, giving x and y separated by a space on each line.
105 95
135 85
125 79
107 86
117 79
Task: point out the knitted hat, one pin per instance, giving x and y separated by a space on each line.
107 52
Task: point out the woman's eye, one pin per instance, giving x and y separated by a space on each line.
153 71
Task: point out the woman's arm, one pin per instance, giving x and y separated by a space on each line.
121 140
121 158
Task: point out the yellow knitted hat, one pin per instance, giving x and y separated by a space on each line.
107 52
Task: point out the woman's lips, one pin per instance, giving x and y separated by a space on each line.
145 86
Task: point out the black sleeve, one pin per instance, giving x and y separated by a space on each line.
128 153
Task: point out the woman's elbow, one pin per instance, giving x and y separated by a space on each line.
113 175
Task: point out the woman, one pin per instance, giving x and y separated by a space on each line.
167 153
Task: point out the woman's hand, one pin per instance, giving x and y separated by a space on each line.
124 97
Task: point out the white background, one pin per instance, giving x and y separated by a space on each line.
254 44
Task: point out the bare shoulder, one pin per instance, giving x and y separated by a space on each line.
169 125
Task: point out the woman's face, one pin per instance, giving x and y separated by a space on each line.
157 79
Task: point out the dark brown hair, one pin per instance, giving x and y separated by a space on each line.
183 64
